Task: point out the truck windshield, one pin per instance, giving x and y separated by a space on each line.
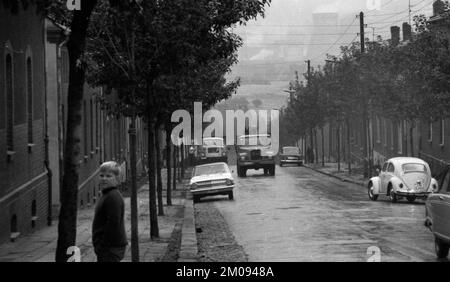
255 140
414 168
213 142
291 150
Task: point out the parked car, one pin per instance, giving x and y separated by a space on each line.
438 214
213 150
211 179
254 152
291 155
403 177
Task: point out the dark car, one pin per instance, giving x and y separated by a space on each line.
438 214
291 155
254 152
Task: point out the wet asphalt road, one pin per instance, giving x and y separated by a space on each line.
302 215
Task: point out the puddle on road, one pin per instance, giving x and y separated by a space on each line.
288 208
255 213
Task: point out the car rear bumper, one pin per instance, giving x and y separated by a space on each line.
257 163
218 190
413 194
291 161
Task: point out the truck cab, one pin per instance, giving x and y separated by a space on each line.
254 152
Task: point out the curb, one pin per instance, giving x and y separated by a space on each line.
189 247
337 177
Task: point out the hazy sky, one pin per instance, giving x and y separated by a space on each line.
296 18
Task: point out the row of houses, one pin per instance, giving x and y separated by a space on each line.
34 76
386 138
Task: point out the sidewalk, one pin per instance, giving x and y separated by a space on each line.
331 169
41 245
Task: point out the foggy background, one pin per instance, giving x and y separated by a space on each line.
297 30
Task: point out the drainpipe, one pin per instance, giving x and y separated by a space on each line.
46 157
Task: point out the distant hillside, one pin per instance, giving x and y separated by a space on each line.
272 95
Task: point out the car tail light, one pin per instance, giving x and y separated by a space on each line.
229 182
400 185
194 186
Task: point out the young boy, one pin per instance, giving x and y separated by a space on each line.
108 229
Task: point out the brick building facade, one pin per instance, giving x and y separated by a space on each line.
34 77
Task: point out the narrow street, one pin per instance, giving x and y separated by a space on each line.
302 215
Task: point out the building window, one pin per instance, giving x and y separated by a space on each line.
400 137
13 224
30 100
385 131
430 131
441 131
33 214
9 103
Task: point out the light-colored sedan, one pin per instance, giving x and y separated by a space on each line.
291 155
438 215
403 177
211 179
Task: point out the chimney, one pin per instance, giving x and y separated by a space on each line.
395 35
438 7
406 31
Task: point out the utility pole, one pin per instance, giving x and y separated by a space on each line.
364 106
311 129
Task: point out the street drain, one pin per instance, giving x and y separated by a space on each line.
254 213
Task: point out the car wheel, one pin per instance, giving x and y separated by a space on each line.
196 199
392 196
281 164
441 248
244 172
230 195
372 196
411 199
272 170
300 164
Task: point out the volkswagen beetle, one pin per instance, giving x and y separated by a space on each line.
403 177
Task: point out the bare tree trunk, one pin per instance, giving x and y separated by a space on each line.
311 141
411 136
154 229
168 160
67 225
316 147
158 172
133 199
338 135
179 162
349 148
323 148
174 167
330 144
182 161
